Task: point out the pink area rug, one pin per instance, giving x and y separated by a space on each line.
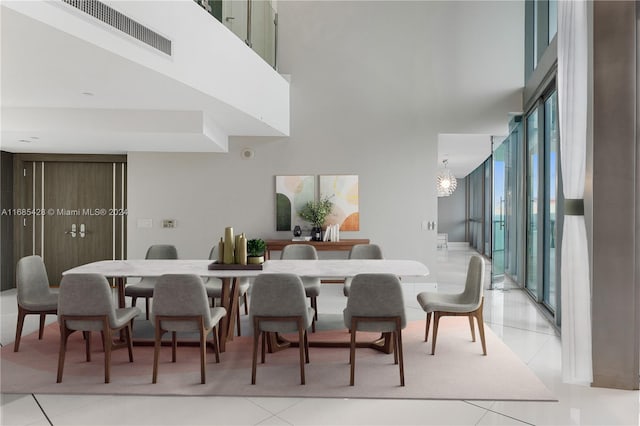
457 371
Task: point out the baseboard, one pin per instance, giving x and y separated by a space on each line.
455 246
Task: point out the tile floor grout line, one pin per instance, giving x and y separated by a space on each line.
41 409
270 418
495 412
269 411
520 328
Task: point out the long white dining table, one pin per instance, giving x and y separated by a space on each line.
120 270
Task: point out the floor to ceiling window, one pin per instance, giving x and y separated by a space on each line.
542 197
549 294
533 207
506 257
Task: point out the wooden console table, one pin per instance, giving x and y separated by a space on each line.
342 245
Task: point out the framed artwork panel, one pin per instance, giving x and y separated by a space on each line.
292 193
343 192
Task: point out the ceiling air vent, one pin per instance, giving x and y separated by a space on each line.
122 22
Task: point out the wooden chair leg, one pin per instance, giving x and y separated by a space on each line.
480 319
254 364
107 342
352 352
400 353
174 346
426 330
306 346
314 305
21 315
301 347
216 345
87 344
146 306
395 347
238 322
156 352
128 336
246 306
203 354
64 335
264 346
41 329
436 320
473 330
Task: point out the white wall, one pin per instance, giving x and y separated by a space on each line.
364 100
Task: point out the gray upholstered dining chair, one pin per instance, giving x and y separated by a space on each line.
214 290
144 287
86 304
278 305
361 251
376 304
35 297
311 284
468 303
180 304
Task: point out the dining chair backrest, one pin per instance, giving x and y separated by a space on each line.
162 251
86 295
31 279
473 288
299 252
180 295
365 251
375 295
278 295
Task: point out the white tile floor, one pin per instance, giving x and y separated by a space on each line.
510 315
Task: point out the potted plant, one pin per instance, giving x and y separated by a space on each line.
255 251
316 212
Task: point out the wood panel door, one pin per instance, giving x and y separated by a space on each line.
80 213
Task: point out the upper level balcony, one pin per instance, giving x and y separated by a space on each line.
253 21
120 76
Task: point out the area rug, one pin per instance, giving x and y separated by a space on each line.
457 371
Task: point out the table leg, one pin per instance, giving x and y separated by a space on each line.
120 287
229 300
383 344
234 303
121 303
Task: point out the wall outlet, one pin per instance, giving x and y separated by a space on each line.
169 223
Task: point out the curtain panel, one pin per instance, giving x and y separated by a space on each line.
574 273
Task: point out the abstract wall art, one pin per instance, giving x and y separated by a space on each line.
343 192
292 192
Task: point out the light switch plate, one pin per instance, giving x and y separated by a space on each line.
169 223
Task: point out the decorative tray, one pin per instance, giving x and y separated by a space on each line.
232 266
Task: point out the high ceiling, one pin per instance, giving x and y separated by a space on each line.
45 69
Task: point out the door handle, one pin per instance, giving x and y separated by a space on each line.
229 18
73 231
82 230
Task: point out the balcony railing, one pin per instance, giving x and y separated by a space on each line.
253 21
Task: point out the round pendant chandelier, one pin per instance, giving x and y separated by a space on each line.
446 182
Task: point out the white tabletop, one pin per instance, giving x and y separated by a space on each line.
309 268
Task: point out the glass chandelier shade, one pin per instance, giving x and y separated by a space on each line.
446 182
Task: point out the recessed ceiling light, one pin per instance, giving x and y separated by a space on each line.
25 141
34 137
87 93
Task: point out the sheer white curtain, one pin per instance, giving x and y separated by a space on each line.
572 97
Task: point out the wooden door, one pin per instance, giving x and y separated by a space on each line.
79 213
